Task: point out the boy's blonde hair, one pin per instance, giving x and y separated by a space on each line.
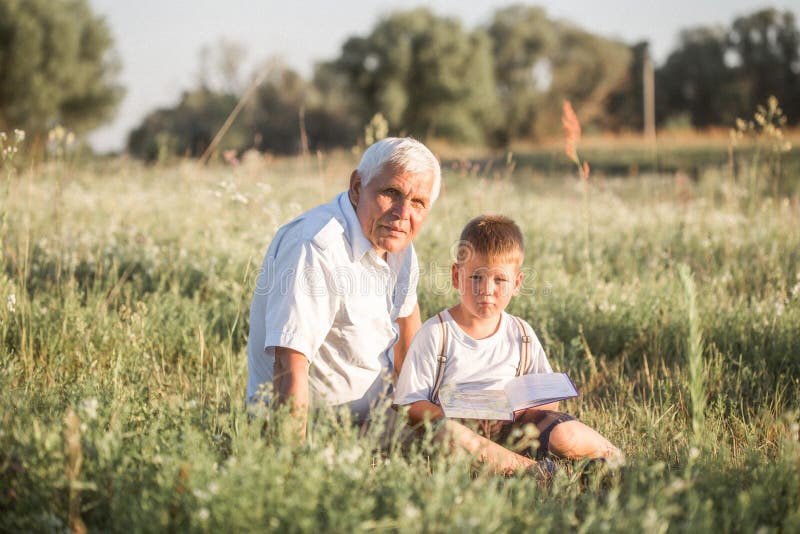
495 237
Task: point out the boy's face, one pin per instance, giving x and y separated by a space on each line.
486 287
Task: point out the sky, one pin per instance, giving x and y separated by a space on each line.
158 42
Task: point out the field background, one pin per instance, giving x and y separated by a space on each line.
123 323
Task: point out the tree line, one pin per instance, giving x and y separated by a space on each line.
426 74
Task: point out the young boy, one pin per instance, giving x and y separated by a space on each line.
482 343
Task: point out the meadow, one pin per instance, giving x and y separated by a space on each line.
673 301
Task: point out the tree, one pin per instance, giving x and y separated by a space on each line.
766 48
696 80
586 70
718 74
425 74
220 66
274 115
188 128
540 62
625 105
56 66
522 37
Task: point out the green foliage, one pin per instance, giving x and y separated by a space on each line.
765 171
130 309
494 85
522 38
585 69
186 129
694 358
425 74
718 73
56 66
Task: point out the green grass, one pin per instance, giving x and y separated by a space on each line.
130 299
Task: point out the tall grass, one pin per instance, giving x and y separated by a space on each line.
694 359
122 381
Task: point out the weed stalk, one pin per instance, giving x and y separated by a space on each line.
694 357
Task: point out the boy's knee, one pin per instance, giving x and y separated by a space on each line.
565 438
573 439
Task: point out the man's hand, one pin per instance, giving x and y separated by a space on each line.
408 327
290 384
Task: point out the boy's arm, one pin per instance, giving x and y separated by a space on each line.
501 460
459 437
417 411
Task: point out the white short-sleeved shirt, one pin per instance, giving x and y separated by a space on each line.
492 361
324 291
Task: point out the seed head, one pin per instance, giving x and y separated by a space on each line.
572 127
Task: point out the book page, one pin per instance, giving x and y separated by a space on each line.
464 401
527 391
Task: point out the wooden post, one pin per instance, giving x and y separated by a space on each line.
649 98
303 135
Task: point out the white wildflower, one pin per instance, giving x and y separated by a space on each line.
213 488
89 407
11 303
238 197
328 454
411 511
203 514
57 134
352 455
19 136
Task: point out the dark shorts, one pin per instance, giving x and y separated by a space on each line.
501 431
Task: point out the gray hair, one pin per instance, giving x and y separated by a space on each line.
402 154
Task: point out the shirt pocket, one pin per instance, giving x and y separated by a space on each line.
367 326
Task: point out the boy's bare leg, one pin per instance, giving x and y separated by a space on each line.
573 439
567 437
457 436
498 458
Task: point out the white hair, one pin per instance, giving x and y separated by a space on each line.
402 154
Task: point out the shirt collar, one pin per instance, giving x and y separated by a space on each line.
359 243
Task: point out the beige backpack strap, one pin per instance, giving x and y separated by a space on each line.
525 347
441 359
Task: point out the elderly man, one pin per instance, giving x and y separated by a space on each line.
335 304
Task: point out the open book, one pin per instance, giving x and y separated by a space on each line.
481 401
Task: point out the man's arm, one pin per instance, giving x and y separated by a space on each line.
501 460
290 385
408 327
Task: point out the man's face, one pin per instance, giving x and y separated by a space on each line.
391 207
486 287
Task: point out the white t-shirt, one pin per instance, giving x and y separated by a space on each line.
324 291
493 360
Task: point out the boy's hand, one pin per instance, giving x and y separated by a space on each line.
420 410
